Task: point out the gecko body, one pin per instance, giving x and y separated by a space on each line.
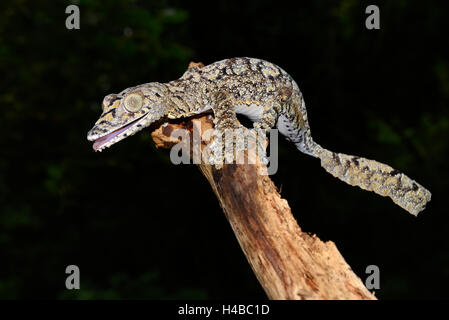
268 96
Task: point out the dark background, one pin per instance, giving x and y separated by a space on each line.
136 224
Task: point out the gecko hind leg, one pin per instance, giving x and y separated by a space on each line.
265 122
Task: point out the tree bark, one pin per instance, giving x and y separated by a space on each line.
289 263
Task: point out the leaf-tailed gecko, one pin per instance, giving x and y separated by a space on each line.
264 93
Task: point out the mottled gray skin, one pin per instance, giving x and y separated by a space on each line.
250 83
256 84
268 96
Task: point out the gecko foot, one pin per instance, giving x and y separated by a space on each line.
229 146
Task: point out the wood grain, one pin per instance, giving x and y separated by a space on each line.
289 263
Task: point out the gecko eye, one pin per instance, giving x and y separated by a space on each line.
133 102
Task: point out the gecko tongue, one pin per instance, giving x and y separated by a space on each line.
103 140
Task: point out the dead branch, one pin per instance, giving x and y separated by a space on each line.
289 263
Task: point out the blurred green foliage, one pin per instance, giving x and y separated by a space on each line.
117 215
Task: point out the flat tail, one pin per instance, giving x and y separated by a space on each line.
377 177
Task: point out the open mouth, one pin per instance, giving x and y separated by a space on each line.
115 136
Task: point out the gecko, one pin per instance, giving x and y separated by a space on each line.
261 91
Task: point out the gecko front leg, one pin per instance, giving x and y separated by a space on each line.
231 138
225 120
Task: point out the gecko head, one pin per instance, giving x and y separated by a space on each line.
128 112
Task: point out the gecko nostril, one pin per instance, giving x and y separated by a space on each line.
109 99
